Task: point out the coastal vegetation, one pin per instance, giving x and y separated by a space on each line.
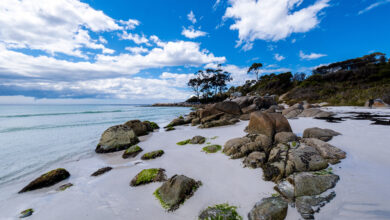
349 82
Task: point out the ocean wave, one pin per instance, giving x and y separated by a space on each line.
41 127
59 113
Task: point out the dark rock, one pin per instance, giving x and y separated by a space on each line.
176 190
152 155
176 122
319 133
245 117
47 179
101 171
148 176
228 107
116 138
64 186
26 213
268 123
132 151
272 208
249 109
308 205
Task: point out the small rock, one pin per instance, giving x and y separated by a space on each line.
255 159
319 133
176 190
64 187
152 155
47 179
285 137
212 148
147 176
26 213
272 208
198 140
220 212
101 171
308 205
132 151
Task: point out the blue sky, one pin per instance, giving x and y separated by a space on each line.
97 51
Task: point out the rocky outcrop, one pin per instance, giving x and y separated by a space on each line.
148 176
138 127
48 179
228 107
268 124
293 111
132 151
315 112
306 158
101 171
176 190
198 140
116 138
319 133
272 208
240 147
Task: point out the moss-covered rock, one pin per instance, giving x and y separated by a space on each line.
220 212
148 175
274 208
184 142
152 155
170 128
175 191
47 179
198 140
212 148
101 171
26 213
132 151
153 125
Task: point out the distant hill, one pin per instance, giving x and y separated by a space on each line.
350 82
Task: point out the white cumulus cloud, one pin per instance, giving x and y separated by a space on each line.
279 57
271 20
192 33
191 17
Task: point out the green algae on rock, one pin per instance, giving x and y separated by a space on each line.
26 213
212 148
220 212
101 171
152 155
132 151
48 179
184 142
148 175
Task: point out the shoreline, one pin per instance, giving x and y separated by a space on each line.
110 196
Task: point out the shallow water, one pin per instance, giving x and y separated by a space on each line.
34 136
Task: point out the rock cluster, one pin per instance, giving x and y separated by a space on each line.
304 109
297 165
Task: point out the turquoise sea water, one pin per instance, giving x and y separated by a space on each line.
35 136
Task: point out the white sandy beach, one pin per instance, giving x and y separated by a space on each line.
362 192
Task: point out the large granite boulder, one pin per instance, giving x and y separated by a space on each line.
209 110
312 183
268 123
176 190
138 127
306 158
315 112
233 146
272 208
249 109
264 102
327 151
293 111
241 147
116 138
48 179
228 107
243 101
319 133
307 206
